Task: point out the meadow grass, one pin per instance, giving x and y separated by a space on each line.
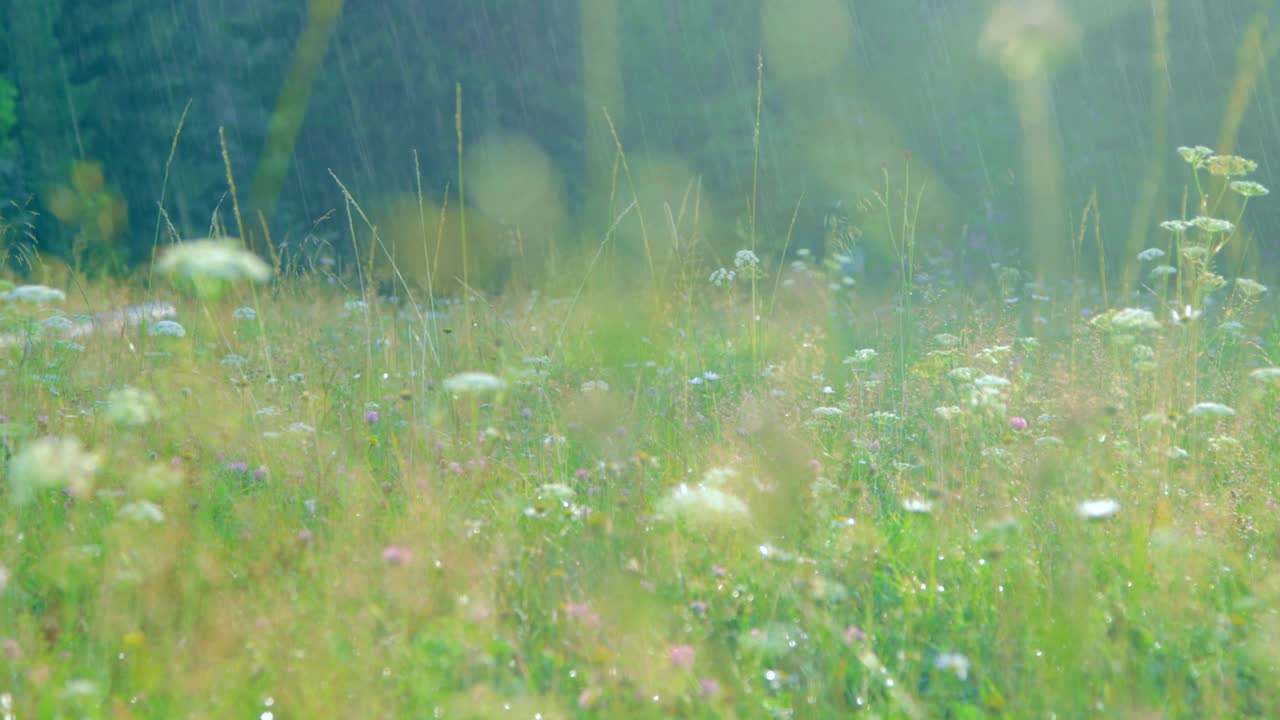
678 499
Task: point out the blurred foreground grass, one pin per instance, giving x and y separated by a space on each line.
643 504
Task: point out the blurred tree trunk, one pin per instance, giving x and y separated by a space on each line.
602 90
286 121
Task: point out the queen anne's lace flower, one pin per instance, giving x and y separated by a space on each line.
52 462
221 259
34 294
474 382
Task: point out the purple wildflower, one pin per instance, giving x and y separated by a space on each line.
681 656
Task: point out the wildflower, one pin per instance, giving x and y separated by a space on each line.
78 689
962 374
1097 509
946 340
245 313
916 506
582 612
704 505
718 476
167 328
1134 319
1164 270
396 555
1176 226
220 259
862 357
591 386
709 687
1143 358
233 360
1018 423
1195 156
987 398
1193 252
853 634
995 353
556 491
990 381
1150 254
827 411
1211 282
746 261
954 663
588 697
681 656
1212 224
143 511
948 412
57 324
371 417
1211 409
474 383
132 407
996 453
34 294
1248 188
1230 165
721 277
1250 288
1267 375
50 462
1225 444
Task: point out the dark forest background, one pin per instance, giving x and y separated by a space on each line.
91 94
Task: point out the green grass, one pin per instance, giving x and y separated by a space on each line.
305 522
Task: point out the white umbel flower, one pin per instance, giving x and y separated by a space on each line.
34 294
704 505
1097 509
50 462
474 383
221 259
1211 409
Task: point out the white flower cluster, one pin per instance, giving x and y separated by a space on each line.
52 463
987 394
221 259
474 383
34 294
132 407
706 504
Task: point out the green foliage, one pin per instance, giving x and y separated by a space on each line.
8 114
